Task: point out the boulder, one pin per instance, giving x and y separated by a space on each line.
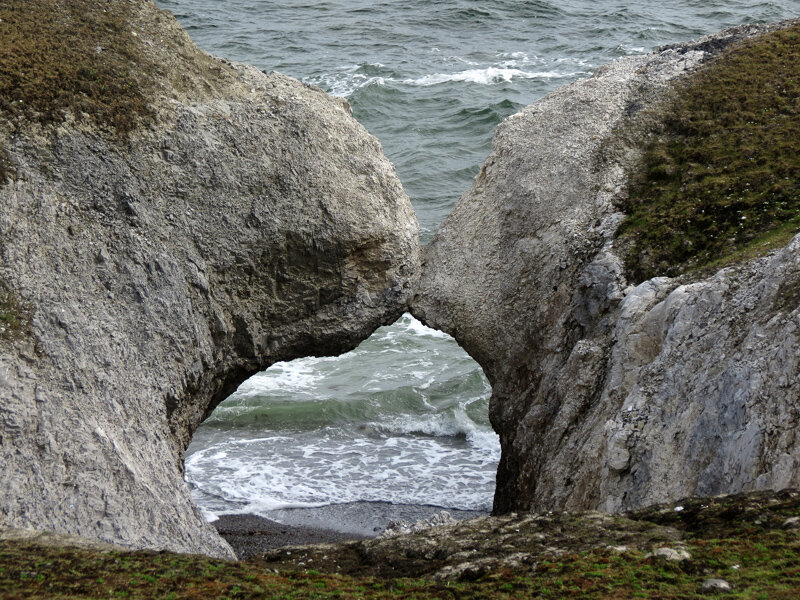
146 271
608 395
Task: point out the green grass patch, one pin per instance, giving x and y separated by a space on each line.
721 182
77 56
765 564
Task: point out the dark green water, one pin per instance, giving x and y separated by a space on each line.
403 419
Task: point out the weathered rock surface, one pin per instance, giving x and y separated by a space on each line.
253 220
517 544
47 538
474 548
608 396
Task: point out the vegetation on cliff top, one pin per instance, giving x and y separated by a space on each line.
750 541
71 55
722 181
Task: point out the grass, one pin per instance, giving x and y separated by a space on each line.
7 170
60 57
744 539
721 182
14 319
9 315
761 565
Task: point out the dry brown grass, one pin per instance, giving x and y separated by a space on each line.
72 56
723 180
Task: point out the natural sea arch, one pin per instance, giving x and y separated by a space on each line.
402 419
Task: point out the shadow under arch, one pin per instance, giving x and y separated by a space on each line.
396 429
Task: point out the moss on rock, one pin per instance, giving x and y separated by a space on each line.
750 541
14 318
69 56
7 170
722 179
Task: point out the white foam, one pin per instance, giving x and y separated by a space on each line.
511 65
409 324
487 440
282 377
629 50
343 466
346 80
435 455
514 55
451 423
209 516
487 76
518 59
426 384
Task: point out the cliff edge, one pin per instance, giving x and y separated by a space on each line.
170 224
610 393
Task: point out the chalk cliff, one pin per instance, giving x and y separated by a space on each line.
153 257
608 395
244 219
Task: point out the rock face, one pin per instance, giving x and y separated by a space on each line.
605 395
252 220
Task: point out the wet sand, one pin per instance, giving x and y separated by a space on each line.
250 535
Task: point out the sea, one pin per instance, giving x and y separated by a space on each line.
403 419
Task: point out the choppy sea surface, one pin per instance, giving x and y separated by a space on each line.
403 418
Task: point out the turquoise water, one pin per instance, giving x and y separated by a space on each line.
404 418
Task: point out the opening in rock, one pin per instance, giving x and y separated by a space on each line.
396 429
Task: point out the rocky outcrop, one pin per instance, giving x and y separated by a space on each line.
522 544
605 395
476 548
250 219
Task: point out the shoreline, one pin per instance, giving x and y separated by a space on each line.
252 534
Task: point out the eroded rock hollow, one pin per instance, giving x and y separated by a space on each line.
247 219
608 395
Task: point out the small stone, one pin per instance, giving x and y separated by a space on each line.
670 554
102 257
716 585
792 523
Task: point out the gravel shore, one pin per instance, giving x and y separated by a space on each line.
250 535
